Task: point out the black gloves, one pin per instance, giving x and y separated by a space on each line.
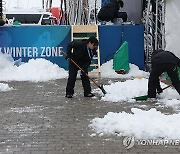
67 58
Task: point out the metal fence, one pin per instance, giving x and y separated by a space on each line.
154 34
76 12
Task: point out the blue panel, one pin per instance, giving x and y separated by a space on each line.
38 40
110 41
112 37
48 37
134 35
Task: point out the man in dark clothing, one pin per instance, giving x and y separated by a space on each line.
82 54
110 10
163 61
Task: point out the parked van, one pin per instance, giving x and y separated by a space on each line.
31 17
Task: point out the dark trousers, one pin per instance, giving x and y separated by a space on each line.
72 79
154 83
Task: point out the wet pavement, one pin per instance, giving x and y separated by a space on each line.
36 118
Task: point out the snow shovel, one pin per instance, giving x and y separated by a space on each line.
145 97
99 86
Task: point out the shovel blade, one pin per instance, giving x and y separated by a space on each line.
141 98
102 89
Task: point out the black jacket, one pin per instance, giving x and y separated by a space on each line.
164 57
109 11
80 53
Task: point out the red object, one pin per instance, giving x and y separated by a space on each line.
121 72
56 12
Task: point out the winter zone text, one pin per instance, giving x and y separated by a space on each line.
32 51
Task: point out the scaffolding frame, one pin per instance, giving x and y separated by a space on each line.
77 12
154 33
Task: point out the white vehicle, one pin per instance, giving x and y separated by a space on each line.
31 17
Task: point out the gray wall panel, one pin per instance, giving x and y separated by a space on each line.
133 9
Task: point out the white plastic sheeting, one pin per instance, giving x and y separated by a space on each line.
172 26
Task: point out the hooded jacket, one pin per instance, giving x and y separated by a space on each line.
160 57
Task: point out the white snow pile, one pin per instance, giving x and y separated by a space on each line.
5 87
5 60
141 124
127 90
174 103
34 70
107 71
170 98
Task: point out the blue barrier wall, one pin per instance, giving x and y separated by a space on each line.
112 37
47 41
28 42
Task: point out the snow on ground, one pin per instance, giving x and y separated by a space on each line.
43 70
5 87
33 70
174 103
127 90
107 71
135 85
141 124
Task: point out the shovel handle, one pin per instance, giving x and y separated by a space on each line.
166 87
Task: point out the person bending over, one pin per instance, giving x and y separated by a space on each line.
163 61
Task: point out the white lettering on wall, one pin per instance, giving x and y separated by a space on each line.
32 51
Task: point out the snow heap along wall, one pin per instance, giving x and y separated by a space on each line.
172 23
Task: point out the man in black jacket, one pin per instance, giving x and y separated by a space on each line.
110 10
82 54
163 61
